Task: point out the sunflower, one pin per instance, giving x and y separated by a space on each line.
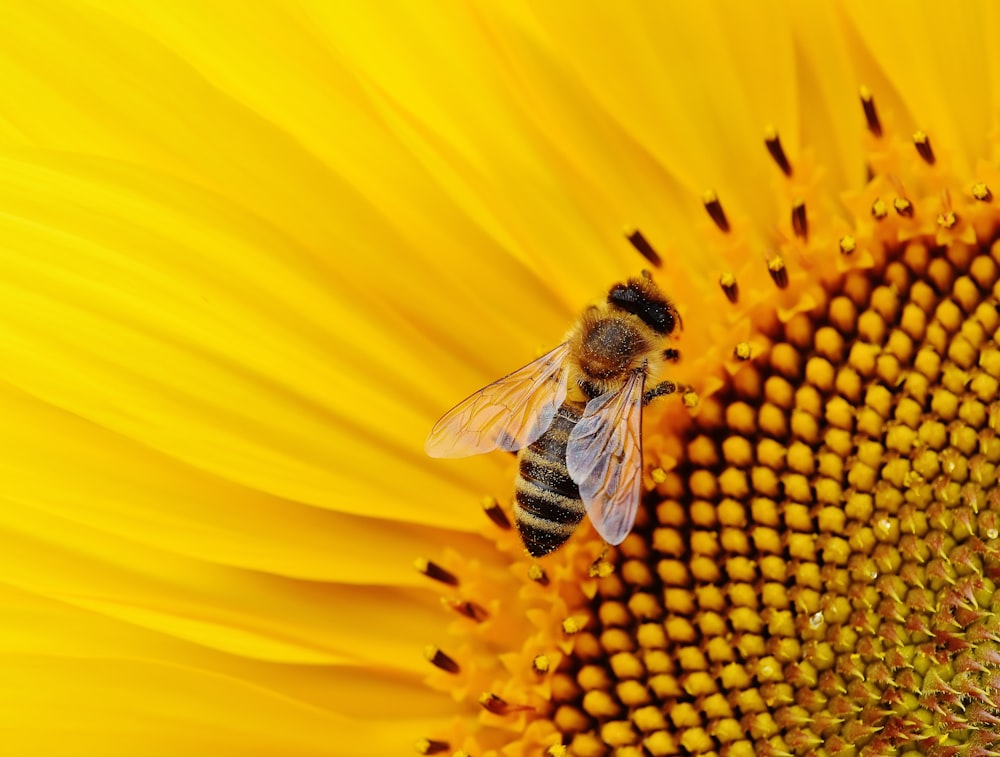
250 252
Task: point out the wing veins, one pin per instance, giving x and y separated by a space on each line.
609 479
509 414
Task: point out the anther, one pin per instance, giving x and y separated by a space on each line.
903 207
946 218
470 610
434 571
572 626
557 750
537 574
848 244
601 568
643 246
779 273
923 144
729 286
541 664
773 142
800 223
981 192
439 659
690 399
430 746
742 351
492 703
495 513
871 115
879 209
715 211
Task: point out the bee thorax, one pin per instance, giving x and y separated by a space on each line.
609 347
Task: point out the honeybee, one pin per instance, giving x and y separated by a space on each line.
574 416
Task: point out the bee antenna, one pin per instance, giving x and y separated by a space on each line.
680 321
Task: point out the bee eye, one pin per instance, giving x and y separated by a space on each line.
669 322
658 314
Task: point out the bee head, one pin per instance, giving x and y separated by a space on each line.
643 299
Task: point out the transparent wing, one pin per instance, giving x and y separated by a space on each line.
509 414
604 458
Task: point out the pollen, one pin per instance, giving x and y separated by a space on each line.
923 144
779 273
773 143
813 570
730 286
715 210
981 192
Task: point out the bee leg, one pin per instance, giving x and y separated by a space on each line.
667 387
671 354
589 389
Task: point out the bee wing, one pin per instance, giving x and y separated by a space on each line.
604 458
509 414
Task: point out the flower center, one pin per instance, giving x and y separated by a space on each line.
819 570
816 574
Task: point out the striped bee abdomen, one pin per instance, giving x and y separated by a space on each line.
547 504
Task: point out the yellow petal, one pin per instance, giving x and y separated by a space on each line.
181 710
188 511
949 94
